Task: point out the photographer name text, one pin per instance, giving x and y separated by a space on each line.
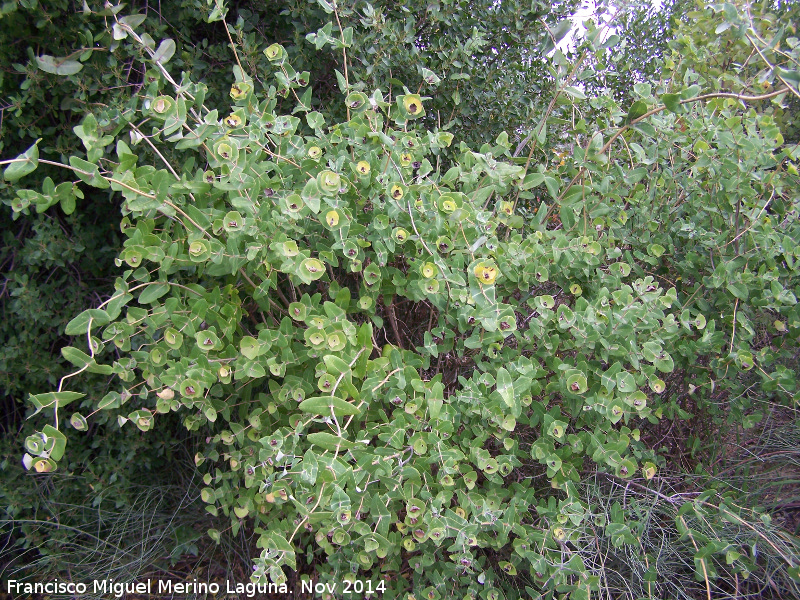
158 587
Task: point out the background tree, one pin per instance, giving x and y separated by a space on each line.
639 40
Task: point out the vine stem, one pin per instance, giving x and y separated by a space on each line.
772 68
733 334
156 150
77 170
702 560
301 523
233 47
344 51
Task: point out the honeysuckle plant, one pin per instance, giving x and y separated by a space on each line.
272 264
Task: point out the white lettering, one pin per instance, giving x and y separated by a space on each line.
166 586
117 589
306 587
47 587
250 589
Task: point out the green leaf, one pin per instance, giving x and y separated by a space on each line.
58 66
59 442
625 382
165 51
505 387
328 441
792 75
68 204
109 401
664 363
637 109
562 30
575 92
576 382
739 290
153 292
143 419
276 544
325 405
532 180
552 186
88 172
341 81
250 347
691 92
610 42
54 399
90 318
672 102
24 164
335 365
310 467
608 379
81 359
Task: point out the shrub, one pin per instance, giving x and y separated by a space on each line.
387 354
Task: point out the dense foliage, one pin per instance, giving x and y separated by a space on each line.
449 368
73 61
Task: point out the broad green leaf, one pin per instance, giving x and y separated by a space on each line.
575 92
691 92
325 405
48 399
24 164
739 290
328 441
57 442
153 292
109 401
335 365
637 109
310 467
165 51
81 359
276 541
68 204
90 318
625 382
672 102
505 387
88 172
552 184
250 347
58 66
132 21
664 363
